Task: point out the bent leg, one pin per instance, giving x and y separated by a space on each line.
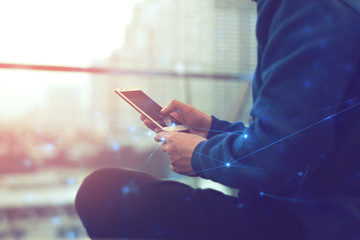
118 203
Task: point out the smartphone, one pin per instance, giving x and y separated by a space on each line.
149 108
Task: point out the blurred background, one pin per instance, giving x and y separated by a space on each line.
59 116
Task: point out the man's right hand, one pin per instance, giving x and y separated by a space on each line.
198 121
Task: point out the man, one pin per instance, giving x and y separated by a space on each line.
297 164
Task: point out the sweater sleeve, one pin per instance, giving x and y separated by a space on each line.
307 56
221 126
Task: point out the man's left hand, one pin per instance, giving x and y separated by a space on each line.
180 147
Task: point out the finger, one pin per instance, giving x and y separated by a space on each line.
150 124
174 106
163 147
173 168
160 137
142 117
177 117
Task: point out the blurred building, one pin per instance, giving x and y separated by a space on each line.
65 108
173 36
204 36
40 206
180 36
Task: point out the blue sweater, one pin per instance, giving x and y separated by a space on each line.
303 142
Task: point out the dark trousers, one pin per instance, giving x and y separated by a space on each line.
117 203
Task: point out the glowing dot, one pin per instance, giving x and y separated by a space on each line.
132 129
328 18
30 198
245 136
261 193
307 30
240 205
70 181
115 147
228 164
188 198
71 234
97 114
49 147
149 133
163 139
322 43
55 220
173 124
307 83
300 173
125 190
27 163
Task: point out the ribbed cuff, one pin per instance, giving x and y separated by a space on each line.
196 159
214 124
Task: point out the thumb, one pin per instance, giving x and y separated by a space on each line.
161 136
174 106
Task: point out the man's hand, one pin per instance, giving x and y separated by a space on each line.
180 147
198 121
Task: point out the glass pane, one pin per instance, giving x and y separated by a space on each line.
59 116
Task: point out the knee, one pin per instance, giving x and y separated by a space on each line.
95 198
88 188
100 186
104 202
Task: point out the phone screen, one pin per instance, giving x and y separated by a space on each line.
146 104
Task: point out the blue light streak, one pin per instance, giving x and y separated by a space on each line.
150 156
297 132
209 169
288 199
262 169
147 160
245 136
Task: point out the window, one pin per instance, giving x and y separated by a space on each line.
59 117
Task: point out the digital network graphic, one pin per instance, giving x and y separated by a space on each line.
236 163
230 162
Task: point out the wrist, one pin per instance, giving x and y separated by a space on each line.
207 126
196 160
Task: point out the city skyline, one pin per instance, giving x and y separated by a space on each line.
181 36
54 33
69 124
